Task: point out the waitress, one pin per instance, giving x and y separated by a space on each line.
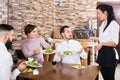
108 39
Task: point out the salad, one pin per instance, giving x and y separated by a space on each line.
33 64
67 52
49 50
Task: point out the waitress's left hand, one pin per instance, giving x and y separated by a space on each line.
98 47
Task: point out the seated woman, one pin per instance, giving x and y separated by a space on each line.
32 45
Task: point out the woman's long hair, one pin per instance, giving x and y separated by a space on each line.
109 10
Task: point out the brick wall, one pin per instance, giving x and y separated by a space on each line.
3 11
47 15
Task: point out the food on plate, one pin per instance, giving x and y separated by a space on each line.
27 70
67 52
49 50
34 64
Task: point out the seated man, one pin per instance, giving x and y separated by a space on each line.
69 45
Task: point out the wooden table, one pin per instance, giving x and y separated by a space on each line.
62 72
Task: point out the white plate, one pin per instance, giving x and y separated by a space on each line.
34 64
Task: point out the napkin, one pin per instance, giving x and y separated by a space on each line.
19 60
79 67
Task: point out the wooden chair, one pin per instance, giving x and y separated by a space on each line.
84 44
20 54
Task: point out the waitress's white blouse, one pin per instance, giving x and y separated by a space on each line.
111 33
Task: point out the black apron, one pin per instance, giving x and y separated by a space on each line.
106 57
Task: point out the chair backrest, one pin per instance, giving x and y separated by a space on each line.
56 34
20 54
84 43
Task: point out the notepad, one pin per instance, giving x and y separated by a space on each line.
79 67
28 70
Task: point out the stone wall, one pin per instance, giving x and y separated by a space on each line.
47 15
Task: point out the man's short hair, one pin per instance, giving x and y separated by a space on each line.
6 27
62 29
